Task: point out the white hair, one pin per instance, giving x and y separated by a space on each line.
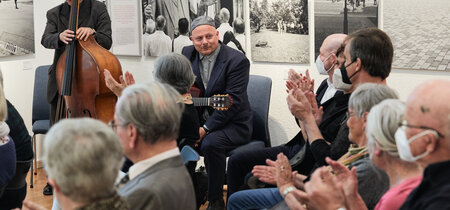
367 95
153 109
83 156
382 123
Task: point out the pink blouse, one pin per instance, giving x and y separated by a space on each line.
394 197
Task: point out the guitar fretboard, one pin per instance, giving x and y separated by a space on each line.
200 101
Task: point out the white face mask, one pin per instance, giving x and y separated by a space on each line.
338 82
403 144
321 66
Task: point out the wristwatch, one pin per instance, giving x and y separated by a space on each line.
206 129
288 190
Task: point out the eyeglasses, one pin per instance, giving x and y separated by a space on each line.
348 114
405 124
113 125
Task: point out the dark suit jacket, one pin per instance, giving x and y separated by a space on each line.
92 14
165 185
230 75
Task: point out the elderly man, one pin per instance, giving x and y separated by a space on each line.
224 17
147 120
219 69
158 43
425 139
74 146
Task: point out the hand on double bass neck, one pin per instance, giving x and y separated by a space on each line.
66 36
117 87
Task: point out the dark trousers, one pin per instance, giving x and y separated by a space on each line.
215 147
242 163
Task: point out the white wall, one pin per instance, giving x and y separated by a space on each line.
19 82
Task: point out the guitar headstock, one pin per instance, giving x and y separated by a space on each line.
221 102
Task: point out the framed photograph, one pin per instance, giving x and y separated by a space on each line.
17 27
125 25
420 33
166 23
342 16
279 31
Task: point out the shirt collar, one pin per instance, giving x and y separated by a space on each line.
143 165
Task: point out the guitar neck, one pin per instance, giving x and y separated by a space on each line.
204 101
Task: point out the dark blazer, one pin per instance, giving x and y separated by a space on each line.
92 14
230 75
165 185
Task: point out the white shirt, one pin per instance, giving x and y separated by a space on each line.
241 39
224 27
158 44
143 165
180 42
329 93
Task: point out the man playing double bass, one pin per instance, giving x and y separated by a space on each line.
93 20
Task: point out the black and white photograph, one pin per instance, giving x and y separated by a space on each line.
166 23
342 16
17 29
279 31
420 33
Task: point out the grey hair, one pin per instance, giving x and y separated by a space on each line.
83 156
175 70
382 123
367 95
1 77
153 109
3 106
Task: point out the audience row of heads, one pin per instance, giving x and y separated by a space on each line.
366 53
183 25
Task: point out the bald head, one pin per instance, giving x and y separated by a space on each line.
332 43
429 103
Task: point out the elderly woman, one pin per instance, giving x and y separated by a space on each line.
82 158
383 121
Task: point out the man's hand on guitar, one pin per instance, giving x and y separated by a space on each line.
84 32
66 36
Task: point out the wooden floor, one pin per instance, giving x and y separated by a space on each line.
35 194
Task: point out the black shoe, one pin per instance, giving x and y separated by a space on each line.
218 204
48 190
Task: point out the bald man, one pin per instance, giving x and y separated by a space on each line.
334 104
425 139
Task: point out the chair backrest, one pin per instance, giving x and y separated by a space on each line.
259 89
188 154
41 109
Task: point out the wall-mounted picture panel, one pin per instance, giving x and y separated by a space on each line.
17 29
166 23
125 27
330 16
279 31
420 32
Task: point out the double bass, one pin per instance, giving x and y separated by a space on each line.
80 78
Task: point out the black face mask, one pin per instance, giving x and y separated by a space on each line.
345 77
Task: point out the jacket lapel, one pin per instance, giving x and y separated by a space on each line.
219 66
